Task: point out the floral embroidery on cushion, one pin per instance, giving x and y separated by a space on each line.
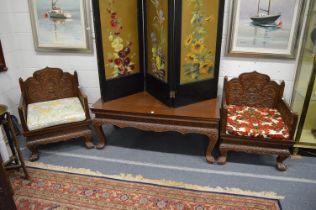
255 122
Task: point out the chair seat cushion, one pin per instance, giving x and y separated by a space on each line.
55 112
255 122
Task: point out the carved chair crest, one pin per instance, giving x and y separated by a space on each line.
253 89
49 84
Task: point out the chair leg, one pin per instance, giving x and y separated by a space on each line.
35 154
88 142
223 157
279 162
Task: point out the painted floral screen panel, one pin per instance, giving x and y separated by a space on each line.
119 27
157 36
198 41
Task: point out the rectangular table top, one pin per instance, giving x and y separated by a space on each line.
144 103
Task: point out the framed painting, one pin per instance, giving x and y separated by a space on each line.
61 25
311 29
119 38
265 28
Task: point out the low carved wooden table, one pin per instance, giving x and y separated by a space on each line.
144 112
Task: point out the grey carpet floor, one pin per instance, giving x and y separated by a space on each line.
181 158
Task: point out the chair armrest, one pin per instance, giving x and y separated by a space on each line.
84 101
289 118
23 114
223 115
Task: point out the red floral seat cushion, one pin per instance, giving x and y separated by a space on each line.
255 122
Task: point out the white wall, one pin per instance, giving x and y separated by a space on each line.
9 90
84 64
22 60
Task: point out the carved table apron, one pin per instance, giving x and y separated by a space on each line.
144 112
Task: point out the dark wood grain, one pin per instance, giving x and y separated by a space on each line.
145 104
144 112
51 84
255 89
6 191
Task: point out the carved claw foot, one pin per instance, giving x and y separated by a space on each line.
35 154
222 160
100 145
89 145
34 157
280 165
210 159
223 157
88 142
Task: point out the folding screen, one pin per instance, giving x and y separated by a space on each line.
181 51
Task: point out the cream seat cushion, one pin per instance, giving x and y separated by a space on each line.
55 112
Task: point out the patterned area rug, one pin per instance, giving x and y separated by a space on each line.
59 190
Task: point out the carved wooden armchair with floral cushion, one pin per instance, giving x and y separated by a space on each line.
255 119
52 109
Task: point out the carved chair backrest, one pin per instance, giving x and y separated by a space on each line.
253 89
49 84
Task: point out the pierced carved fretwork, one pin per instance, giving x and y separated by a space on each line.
253 89
49 84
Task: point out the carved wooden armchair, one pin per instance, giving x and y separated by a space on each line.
52 109
255 119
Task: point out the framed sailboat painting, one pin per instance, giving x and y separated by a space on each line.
264 28
61 25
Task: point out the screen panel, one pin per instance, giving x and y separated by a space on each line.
198 34
198 40
159 48
119 35
157 38
119 27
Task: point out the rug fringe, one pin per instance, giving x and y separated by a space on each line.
139 178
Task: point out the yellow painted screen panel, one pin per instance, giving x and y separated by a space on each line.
157 36
119 27
198 40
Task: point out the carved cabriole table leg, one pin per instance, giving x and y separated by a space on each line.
97 124
213 137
